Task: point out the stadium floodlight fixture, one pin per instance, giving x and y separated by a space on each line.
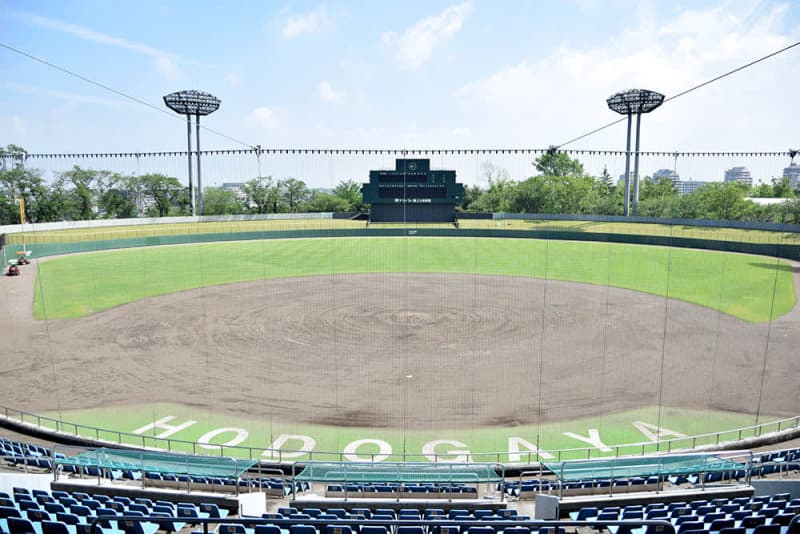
633 102
197 103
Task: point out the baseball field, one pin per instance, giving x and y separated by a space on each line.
444 346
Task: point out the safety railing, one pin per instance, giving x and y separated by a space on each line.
96 436
660 526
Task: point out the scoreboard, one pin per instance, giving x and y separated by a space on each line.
412 192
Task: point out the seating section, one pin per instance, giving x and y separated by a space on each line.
770 464
397 490
773 513
527 489
29 511
28 455
58 512
273 486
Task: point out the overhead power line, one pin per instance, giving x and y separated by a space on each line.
687 91
115 91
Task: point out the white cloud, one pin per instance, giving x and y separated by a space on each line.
167 68
327 93
266 118
414 47
548 100
308 23
233 79
163 61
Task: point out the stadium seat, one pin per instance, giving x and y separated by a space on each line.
17 525
54 527
267 529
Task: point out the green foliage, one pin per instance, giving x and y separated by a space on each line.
294 192
219 201
328 203
558 164
350 192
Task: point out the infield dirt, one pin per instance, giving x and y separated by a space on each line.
400 350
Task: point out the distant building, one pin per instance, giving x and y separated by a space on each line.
237 188
739 174
792 172
688 186
667 173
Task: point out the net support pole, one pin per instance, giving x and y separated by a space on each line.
625 209
635 165
199 178
189 156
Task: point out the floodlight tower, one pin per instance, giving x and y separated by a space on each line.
195 103
630 102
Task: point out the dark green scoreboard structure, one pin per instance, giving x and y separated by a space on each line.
412 192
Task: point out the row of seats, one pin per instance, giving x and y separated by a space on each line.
78 508
708 516
371 527
389 514
519 489
369 489
19 453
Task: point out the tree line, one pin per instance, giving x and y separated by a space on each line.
560 186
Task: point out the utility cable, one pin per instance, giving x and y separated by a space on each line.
115 91
687 91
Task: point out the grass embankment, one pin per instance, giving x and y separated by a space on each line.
753 288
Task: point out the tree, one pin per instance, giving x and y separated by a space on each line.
326 202
606 179
166 192
294 193
115 196
497 198
219 201
263 194
350 192
558 164
790 211
570 194
84 187
724 201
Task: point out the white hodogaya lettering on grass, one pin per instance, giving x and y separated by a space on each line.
458 456
351 450
592 439
161 424
515 453
308 444
656 433
205 439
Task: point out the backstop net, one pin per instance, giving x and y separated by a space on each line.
538 324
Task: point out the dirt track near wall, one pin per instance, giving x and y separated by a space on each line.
398 350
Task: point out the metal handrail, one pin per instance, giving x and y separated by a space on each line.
177 445
666 526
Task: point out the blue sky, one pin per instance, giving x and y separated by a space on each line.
398 74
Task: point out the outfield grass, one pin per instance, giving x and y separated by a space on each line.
152 230
615 430
737 284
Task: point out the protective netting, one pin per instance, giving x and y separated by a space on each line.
676 464
506 337
159 462
400 472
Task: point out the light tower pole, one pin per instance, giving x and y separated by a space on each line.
195 103
630 102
